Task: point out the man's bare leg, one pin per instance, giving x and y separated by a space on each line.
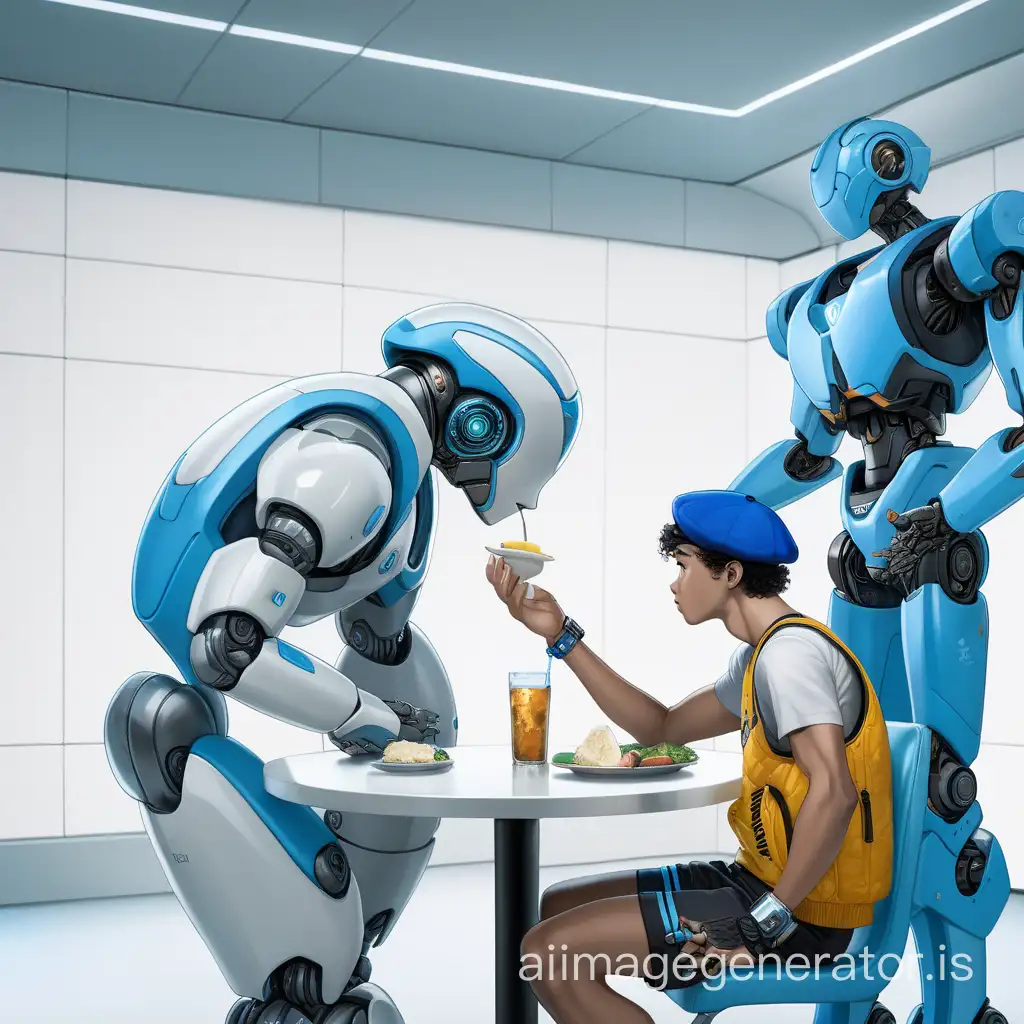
601 937
574 892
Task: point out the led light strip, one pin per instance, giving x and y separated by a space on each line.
310 42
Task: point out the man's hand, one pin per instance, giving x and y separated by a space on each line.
715 944
541 613
918 532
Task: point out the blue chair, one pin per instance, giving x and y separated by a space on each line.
850 998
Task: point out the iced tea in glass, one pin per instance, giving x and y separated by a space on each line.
530 701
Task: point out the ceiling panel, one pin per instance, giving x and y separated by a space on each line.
413 103
343 21
93 51
259 78
730 149
940 117
969 113
215 10
722 53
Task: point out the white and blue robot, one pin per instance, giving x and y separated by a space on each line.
316 499
883 346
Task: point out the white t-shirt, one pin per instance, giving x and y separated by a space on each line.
801 678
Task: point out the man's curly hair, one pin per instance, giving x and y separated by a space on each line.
760 579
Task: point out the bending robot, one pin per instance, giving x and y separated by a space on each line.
883 346
316 498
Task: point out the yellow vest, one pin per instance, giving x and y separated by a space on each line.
774 788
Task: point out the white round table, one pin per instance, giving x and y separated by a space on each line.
484 783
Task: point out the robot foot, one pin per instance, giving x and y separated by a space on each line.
363 1004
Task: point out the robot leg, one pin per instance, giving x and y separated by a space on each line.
388 656
961 890
963 883
264 882
865 615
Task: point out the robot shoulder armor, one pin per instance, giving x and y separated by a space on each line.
207 451
341 485
779 314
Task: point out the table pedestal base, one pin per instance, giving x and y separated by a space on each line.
516 910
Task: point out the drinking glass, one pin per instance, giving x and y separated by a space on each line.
530 701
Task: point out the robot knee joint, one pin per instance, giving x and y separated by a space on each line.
952 786
852 580
970 866
150 726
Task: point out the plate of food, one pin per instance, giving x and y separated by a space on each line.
601 754
403 757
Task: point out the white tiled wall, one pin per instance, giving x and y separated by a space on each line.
131 318
950 191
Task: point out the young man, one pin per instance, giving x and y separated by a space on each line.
814 820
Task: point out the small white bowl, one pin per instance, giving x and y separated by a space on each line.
525 564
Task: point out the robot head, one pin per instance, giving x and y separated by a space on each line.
514 408
860 162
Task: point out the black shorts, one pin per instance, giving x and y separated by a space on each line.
702 891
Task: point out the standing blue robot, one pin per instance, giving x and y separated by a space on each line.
882 346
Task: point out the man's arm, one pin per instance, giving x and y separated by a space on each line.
699 716
824 816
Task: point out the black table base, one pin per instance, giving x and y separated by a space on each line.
516 910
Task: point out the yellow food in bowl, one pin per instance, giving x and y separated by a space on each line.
521 545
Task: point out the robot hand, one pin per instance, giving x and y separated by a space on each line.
418 725
415 724
356 746
918 532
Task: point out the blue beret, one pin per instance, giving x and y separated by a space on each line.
734 524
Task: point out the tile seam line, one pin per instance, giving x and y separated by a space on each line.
63 511
257 374
256 276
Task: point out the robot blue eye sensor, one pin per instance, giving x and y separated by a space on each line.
476 428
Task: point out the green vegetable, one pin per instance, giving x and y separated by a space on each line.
441 755
562 758
679 754
625 748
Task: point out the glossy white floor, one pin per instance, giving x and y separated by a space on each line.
135 960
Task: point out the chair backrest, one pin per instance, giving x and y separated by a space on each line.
910 747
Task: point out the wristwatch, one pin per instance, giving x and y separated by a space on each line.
773 918
571 635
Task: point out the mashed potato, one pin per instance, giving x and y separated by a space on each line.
408 753
598 749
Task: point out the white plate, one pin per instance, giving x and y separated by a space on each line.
651 769
525 564
412 767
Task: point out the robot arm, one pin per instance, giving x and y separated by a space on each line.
983 254
319 500
792 469
981 261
